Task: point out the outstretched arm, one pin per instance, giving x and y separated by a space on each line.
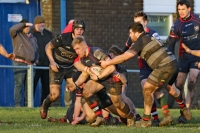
193 52
118 59
5 53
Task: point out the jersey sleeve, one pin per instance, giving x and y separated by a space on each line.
127 44
172 38
77 59
136 47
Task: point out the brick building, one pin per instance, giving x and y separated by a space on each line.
107 23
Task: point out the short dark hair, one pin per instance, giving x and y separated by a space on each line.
137 27
141 14
184 2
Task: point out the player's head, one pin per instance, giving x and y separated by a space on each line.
78 27
80 46
114 51
135 30
141 17
184 8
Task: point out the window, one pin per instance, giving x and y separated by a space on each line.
160 16
160 23
197 6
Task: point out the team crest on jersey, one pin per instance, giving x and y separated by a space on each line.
196 28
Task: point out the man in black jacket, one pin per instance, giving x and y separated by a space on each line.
43 36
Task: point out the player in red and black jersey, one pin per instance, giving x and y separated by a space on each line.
186 30
90 56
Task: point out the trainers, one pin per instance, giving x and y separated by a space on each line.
99 121
168 119
182 119
186 113
43 112
155 122
143 123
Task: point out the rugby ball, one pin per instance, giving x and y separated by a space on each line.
96 70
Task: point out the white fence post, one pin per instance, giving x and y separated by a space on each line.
30 76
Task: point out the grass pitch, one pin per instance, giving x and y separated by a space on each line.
27 120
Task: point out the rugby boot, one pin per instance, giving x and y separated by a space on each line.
186 113
112 120
98 122
130 119
43 110
143 123
168 119
182 119
155 122
50 119
130 122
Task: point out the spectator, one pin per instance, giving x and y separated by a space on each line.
43 36
26 53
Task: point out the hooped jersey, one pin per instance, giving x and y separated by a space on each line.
142 63
152 51
63 53
188 32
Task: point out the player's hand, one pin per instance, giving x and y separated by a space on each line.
11 56
186 48
70 87
103 63
94 77
54 66
29 24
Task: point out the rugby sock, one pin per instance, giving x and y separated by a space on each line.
146 117
154 112
138 117
92 102
97 110
180 101
163 104
47 103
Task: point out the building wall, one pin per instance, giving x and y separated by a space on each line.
107 23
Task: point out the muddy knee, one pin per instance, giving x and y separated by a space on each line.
54 96
191 85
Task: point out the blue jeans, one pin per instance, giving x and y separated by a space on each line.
20 76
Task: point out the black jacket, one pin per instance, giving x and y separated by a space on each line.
42 40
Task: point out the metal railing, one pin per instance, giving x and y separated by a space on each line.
30 77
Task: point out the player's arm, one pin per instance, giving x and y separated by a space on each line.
82 78
118 59
127 44
77 110
193 52
172 38
5 53
107 71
